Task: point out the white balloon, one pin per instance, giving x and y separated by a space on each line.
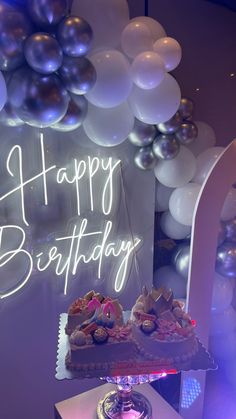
223 323
155 27
108 127
156 105
205 138
135 39
224 348
168 277
114 82
162 197
107 19
229 208
172 228
205 162
182 203
177 171
148 70
3 91
222 294
170 51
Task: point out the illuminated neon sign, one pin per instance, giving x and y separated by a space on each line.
84 244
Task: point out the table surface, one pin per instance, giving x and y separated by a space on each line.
84 405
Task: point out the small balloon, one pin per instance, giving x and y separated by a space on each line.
47 12
75 36
156 29
38 100
148 70
78 74
181 259
43 53
142 134
230 230
165 147
9 118
136 38
206 138
186 108
74 116
187 132
171 126
171 228
145 159
182 203
170 51
226 260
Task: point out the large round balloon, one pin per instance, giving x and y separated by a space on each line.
142 134
78 74
167 277
205 162
39 100
107 18
229 207
178 171
155 27
148 70
222 293
104 127
226 260
114 82
172 228
182 203
223 323
3 91
205 138
181 259
136 38
47 12
75 36
14 29
163 194
145 158
74 116
156 105
43 53
170 51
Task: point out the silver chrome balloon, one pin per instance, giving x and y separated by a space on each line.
165 147
75 36
142 134
226 260
47 12
171 126
9 118
78 74
145 159
186 108
43 53
181 258
39 100
187 132
14 29
74 116
230 230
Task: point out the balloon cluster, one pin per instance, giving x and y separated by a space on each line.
162 141
51 82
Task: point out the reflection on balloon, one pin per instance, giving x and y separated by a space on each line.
142 134
144 158
226 260
104 127
182 203
165 147
75 36
187 132
171 126
222 294
3 91
181 259
43 53
47 12
157 31
206 138
205 162
74 116
135 39
186 108
148 70
78 74
229 207
37 99
167 276
172 228
170 51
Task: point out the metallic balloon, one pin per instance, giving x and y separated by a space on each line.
75 36
145 159
171 126
9 118
39 100
14 29
226 260
230 230
186 108
43 53
47 12
142 134
165 147
181 258
74 116
78 74
187 132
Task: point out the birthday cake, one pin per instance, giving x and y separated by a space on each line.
161 329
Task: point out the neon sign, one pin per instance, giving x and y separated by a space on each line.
85 243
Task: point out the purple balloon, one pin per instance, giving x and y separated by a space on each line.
47 12
14 29
74 116
78 74
75 36
39 100
43 53
226 260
